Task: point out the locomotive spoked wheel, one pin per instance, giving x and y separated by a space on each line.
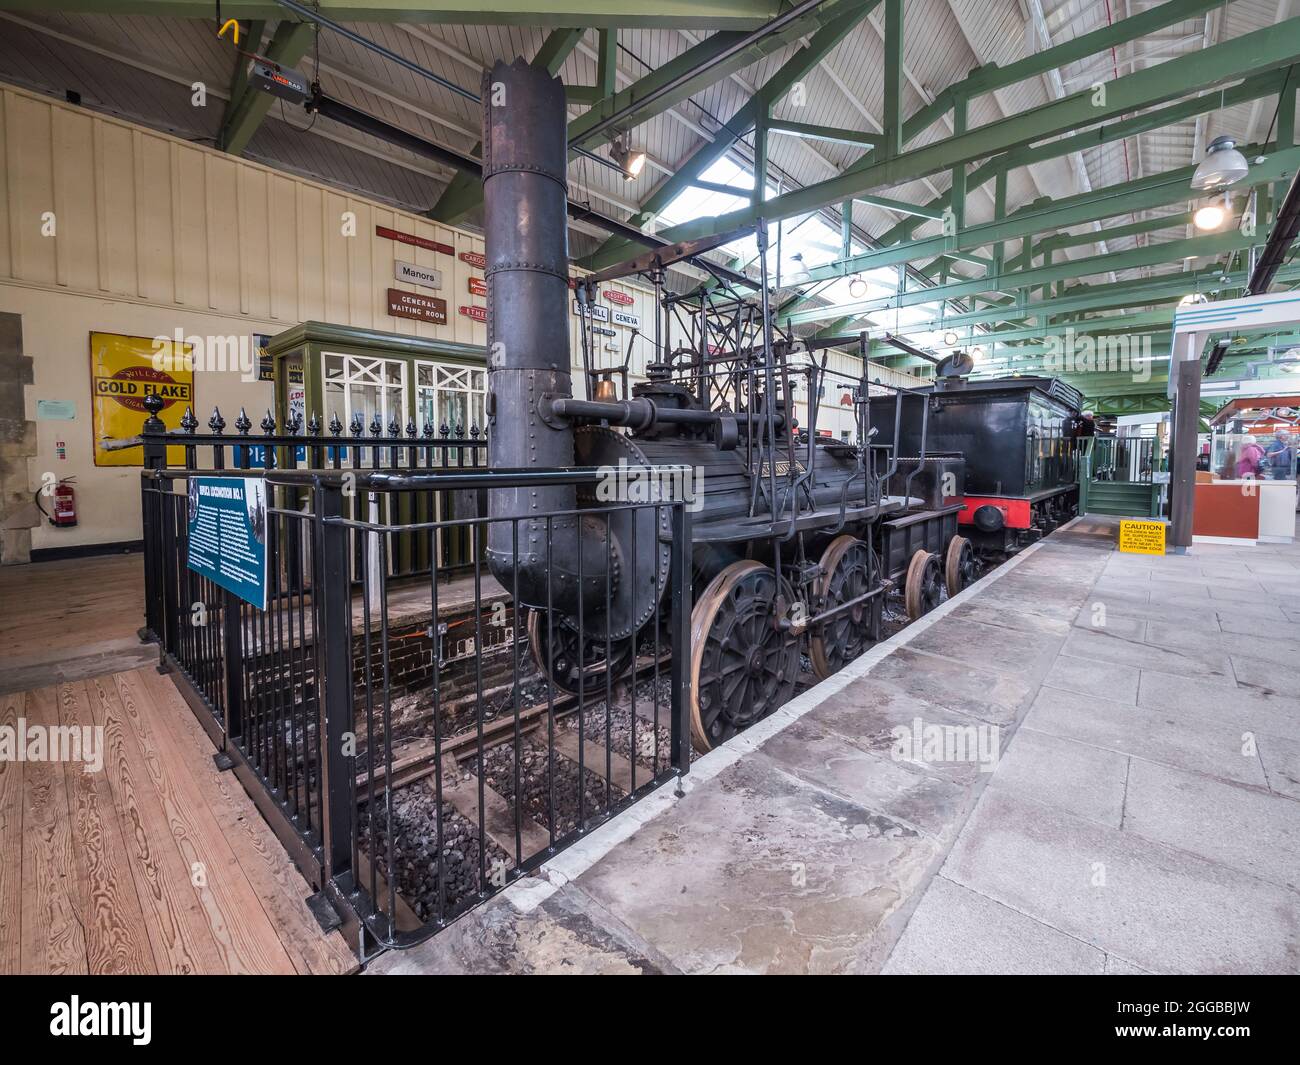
846 575
960 567
921 590
742 668
565 667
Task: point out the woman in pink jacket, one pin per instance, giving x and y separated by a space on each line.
1250 458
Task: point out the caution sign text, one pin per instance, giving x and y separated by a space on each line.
1142 537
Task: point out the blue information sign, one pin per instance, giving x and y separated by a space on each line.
227 524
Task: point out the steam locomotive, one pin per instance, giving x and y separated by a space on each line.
797 538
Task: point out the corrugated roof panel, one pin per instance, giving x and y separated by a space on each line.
944 40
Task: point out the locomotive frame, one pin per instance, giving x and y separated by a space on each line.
795 543
803 567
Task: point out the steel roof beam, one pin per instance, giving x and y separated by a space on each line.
244 115
737 126
1159 190
1243 56
603 14
1194 248
825 133
465 185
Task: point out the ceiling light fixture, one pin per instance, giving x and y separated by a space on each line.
1222 166
950 338
857 287
1191 298
629 161
1212 215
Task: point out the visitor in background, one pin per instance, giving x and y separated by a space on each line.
1251 456
1280 456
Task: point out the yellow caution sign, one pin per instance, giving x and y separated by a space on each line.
1142 537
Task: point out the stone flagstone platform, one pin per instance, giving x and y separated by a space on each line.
1143 815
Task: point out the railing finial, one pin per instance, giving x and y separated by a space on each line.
242 423
268 422
216 423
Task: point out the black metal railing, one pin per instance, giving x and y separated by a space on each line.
407 738
364 447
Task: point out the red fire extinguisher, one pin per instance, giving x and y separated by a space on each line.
65 504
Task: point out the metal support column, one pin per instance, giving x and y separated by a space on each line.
334 673
680 590
1186 367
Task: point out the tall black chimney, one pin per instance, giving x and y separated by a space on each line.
525 202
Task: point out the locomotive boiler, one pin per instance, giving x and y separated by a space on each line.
795 538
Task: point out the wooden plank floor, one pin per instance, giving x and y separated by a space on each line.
156 863
71 619
79 618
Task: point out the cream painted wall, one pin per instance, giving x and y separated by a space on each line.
153 234
56 334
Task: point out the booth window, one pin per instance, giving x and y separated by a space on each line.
366 386
451 395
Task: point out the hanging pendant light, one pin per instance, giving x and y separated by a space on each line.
1222 166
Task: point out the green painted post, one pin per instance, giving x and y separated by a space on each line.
607 63
957 193
892 119
999 212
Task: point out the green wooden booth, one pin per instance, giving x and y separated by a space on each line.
334 371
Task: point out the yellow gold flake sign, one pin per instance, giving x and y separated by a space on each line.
1142 537
123 372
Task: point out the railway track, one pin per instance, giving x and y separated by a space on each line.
416 759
